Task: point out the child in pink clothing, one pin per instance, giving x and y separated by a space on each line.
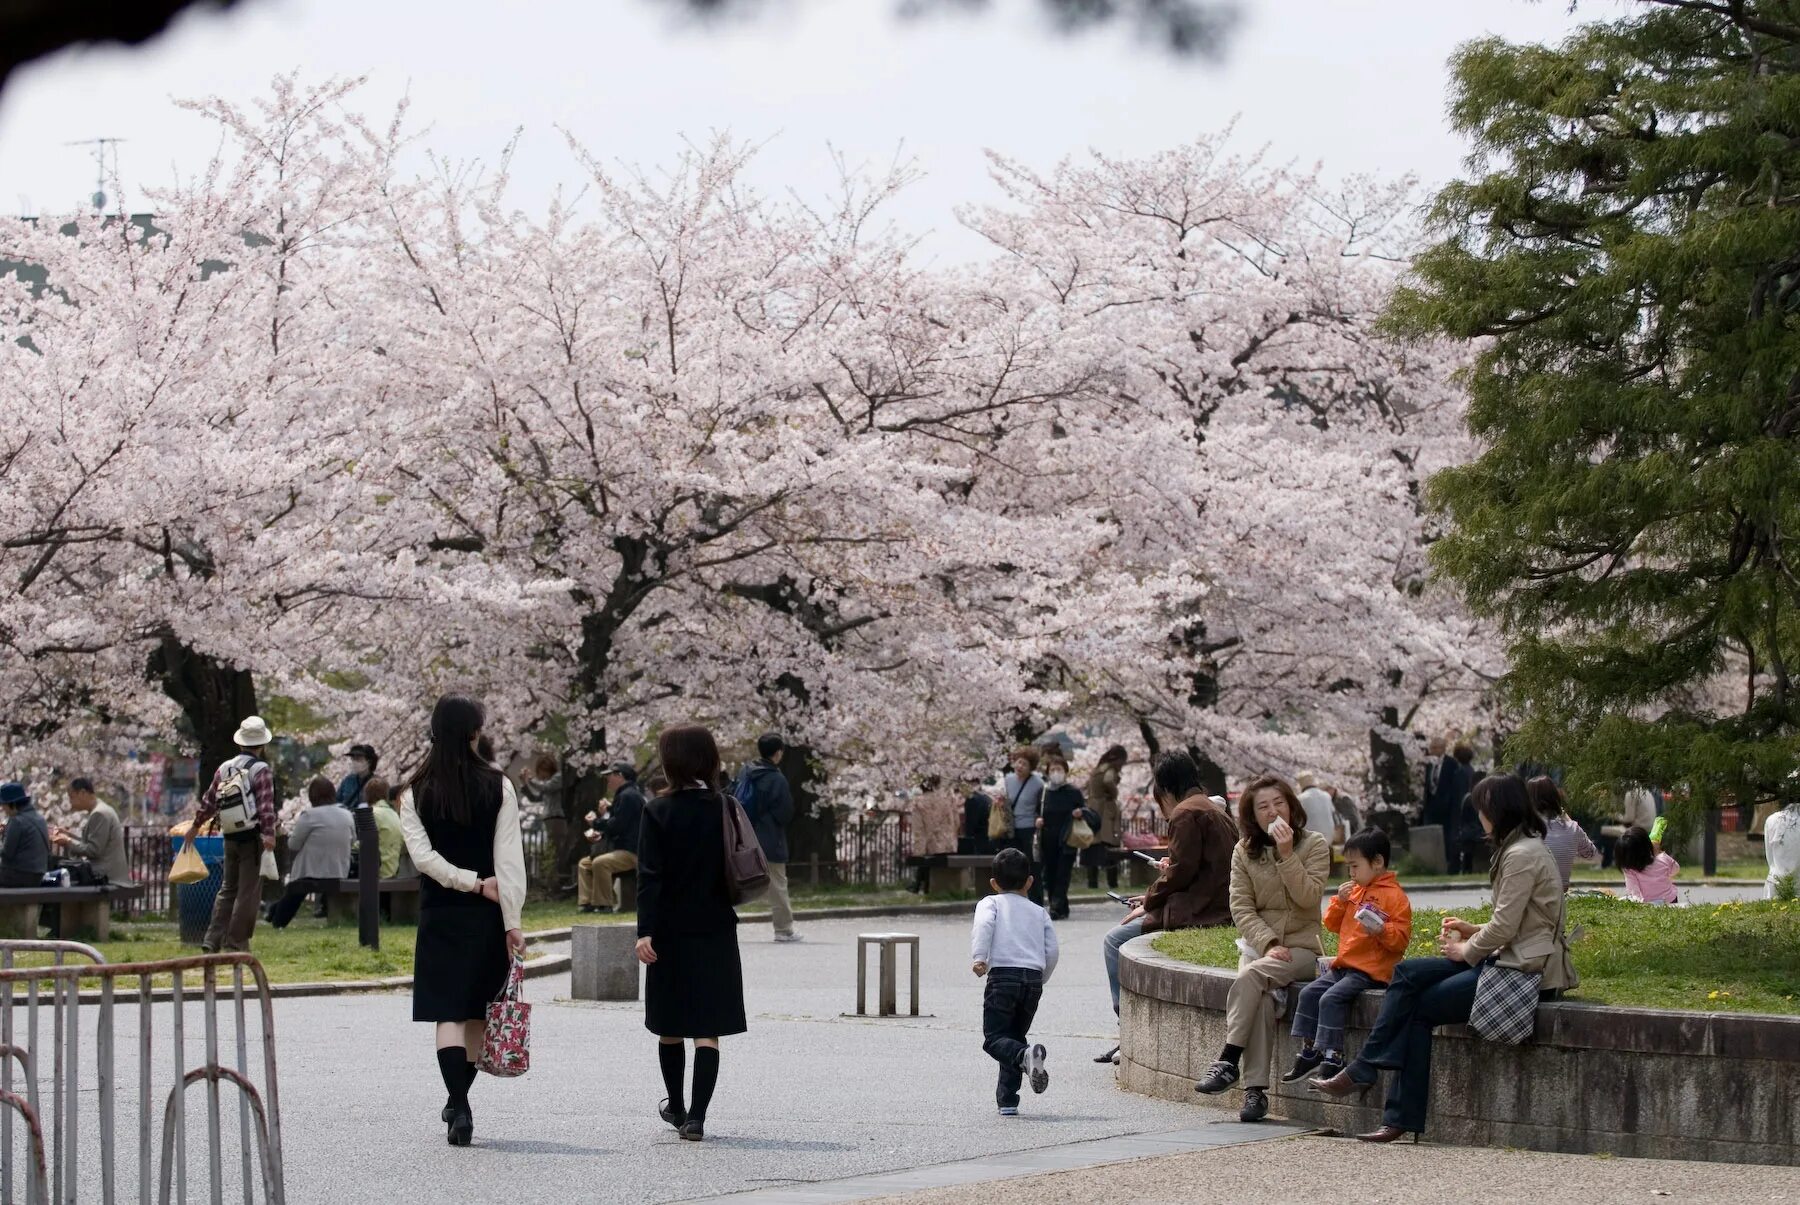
1649 872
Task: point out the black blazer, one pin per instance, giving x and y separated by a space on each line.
681 866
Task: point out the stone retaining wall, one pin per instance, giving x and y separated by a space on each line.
1594 1079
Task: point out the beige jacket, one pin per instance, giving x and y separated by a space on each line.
1103 796
1526 931
1275 902
509 854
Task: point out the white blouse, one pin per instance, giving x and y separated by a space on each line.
509 854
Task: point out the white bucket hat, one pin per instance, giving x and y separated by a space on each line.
252 733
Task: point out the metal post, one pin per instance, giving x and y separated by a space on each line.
215 1165
104 1042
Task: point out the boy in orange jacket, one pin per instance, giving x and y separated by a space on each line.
1373 920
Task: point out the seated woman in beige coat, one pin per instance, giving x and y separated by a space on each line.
1278 873
1526 933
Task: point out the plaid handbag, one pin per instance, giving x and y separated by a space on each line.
1505 1008
506 1047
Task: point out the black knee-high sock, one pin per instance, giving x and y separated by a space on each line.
706 1075
673 1057
453 1065
1231 1054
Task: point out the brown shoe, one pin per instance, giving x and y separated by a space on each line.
1340 1086
1386 1134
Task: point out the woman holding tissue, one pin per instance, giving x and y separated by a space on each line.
1278 871
1524 934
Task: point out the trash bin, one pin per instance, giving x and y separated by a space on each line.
194 901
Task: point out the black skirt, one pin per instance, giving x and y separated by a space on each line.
459 961
695 988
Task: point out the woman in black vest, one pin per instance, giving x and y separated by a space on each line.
461 821
687 930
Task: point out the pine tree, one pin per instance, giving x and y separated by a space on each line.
1626 253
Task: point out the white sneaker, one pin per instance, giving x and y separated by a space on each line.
1034 1067
786 937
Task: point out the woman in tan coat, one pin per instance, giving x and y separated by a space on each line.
1525 933
1278 873
1103 797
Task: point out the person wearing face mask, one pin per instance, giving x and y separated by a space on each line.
1062 800
363 760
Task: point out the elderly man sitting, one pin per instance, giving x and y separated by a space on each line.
320 843
25 850
101 843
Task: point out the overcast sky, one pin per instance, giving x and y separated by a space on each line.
1357 85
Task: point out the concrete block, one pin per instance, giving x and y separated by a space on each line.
603 965
1428 848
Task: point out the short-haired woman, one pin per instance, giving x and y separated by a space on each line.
1525 933
1062 800
687 929
1102 793
460 818
1567 841
1023 789
1278 873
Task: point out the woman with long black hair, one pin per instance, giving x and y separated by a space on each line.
461 821
687 928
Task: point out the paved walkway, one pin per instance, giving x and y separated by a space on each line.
807 1096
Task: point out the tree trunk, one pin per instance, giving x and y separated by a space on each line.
1387 760
813 834
214 698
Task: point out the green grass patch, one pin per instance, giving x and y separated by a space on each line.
1735 957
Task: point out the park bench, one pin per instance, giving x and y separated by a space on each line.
86 911
402 896
967 874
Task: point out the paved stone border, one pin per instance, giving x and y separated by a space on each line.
1062 1157
1594 1079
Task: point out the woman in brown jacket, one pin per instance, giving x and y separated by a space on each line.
1278 874
1102 793
1525 933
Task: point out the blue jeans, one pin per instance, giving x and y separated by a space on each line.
1425 993
1324 1007
1009 1004
1110 950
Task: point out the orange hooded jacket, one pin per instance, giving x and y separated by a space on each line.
1374 954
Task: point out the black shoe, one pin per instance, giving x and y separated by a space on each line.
1256 1105
675 1117
462 1128
692 1131
586 908
1304 1065
1111 1056
1034 1068
449 1112
1329 1068
1220 1076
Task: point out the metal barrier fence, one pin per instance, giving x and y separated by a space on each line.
872 848
150 853
55 1158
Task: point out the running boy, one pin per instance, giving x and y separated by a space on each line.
1373 920
1014 946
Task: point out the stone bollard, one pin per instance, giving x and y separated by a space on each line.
1428 847
603 963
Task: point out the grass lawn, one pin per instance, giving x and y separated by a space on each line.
314 951
1737 957
1592 876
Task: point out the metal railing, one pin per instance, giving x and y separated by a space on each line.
57 1160
150 854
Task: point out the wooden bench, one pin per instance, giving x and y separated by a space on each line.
402 896
963 873
86 912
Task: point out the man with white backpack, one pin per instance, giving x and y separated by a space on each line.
242 799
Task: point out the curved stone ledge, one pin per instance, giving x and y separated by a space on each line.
1594 1079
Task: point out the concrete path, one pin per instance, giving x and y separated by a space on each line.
808 1095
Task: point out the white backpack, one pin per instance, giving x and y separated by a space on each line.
236 795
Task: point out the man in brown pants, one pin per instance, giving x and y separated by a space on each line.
240 890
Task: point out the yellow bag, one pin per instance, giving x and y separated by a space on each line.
188 867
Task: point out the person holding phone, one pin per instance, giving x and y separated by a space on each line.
1192 889
1278 873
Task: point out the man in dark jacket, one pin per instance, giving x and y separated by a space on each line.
25 851
614 825
975 821
1454 780
770 804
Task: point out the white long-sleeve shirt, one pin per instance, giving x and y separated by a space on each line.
1011 931
509 854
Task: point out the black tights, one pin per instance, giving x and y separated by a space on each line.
672 1056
